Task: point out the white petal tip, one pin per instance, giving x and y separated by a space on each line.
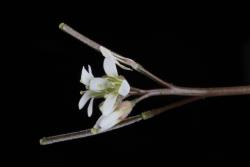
124 88
85 76
109 66
80 107
90 107
84 99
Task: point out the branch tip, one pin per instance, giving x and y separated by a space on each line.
41 141
61 25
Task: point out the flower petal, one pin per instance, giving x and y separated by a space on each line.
97 84
90 107
90 71
106 122
124 88
108 105
106 52
97 124
84 99
110 67
109 121
85 77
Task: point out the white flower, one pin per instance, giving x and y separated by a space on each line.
109 87
106 122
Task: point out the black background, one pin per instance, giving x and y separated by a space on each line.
187 48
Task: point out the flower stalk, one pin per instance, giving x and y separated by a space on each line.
126 122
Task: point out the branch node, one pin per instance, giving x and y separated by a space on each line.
147 115
94 131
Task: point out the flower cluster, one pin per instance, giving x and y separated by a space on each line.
112 87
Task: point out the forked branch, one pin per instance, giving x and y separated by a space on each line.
169 89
